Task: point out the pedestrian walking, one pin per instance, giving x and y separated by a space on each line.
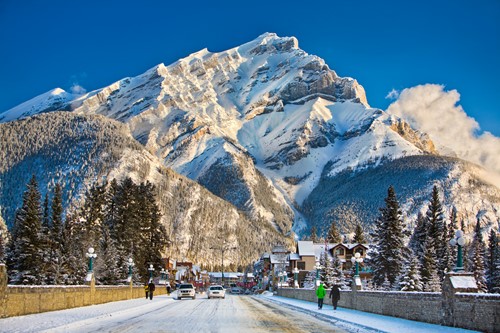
168 288
146 289
335 296
151 288
321 293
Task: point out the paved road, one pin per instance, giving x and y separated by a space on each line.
237 314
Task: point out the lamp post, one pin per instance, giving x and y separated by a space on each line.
356 260
295 277
459 240
151 269
280 275
317 268
162 273
130 265
91 255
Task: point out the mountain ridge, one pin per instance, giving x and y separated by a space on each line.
261 125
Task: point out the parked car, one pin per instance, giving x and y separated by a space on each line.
216 291
186 290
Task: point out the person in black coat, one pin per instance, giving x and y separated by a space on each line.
335 296
151 288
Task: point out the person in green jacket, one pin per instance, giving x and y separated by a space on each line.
321 293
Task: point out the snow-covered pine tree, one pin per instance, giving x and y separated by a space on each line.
359 236
338 274
411 279
447 261
26 253
56 236
452 228
386 285
309 280
493 259
108 268
74 264
428 270
417 239
436 229
388 254
477 256
465 249
326 273
333 235
93 214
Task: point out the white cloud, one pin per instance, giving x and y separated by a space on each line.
393 94
77 89
431 109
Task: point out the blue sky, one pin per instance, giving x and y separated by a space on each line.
385 45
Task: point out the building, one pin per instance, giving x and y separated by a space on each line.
308 253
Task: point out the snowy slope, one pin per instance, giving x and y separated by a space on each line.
55 99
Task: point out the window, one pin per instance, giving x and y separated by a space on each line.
359 250
339 251
301 265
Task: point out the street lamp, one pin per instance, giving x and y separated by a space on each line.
280 275
317 268
459 240
356 260
151 269
295 277
91 255
162 272
130 265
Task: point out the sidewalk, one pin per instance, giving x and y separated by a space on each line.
365 321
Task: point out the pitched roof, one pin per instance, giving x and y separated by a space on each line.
306 248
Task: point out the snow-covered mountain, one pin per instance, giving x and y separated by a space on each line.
267 127
77 150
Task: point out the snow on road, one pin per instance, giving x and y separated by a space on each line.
256 314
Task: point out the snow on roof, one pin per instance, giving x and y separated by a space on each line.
306 248
278 258
294 256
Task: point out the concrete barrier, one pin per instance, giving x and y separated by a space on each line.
468 310
22 300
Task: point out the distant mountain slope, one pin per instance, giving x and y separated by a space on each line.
349 198
270 128
77 150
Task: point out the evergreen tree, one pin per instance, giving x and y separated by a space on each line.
428 270
92 214
452 228
389 250
326 273
436 229
419 236
477 256
153 233
359 236
338 275
492 261
56 236
333 235
26 255
74 264
108 269
411 279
